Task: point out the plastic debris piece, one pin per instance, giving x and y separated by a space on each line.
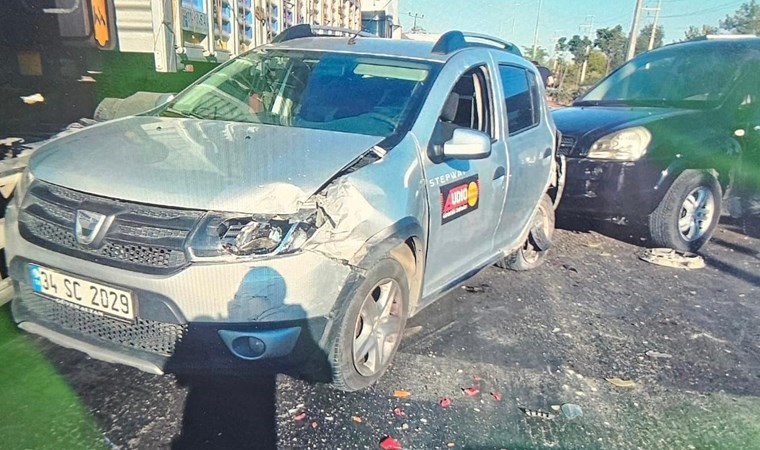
496 395
445 402
300 416
538 414
357 419
405 426
571 410
400 393
451 445
399 412
671 258
32 99
556 407
615 381
471 391
388 443
473 289
657 355
314 425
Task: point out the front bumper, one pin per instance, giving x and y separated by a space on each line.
612 189
195 319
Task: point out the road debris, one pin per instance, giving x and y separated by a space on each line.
555 407
496 396
671 258
657 355
445 402
570 268
399 412
475 289
300 416
314 425
571 411
538 414
471 391
388 443
32 99
400 393
619 382
357 419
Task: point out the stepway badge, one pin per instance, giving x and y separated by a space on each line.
459 198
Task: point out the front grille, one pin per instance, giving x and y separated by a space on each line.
146 335
141 238
566 145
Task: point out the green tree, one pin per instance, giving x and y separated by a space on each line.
542 55
612 42
696 32
746 19
597 66
642 42
577 46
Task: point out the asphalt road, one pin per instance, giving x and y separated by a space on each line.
532 340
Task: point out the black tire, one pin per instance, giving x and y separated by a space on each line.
346 372
529 256
664 227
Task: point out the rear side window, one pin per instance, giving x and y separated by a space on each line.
522 99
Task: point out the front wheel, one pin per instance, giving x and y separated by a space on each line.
688 214
370 327
533 252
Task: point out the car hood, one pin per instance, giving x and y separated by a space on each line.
578 121
199 164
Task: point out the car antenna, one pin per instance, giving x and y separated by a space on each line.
352 39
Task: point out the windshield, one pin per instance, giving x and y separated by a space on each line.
686 77
328 91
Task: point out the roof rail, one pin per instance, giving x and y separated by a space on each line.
455 40
305 30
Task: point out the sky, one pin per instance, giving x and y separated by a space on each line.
515 20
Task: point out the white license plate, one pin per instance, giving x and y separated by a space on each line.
82 293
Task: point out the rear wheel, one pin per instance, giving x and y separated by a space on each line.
533 252
688 214
370 327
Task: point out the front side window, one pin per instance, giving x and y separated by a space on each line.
338 92
520 101
468 104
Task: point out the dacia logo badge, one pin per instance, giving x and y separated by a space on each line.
88 226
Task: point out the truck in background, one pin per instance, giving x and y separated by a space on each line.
74 53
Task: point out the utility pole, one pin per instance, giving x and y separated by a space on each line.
634 30
654 25
416 16
535 34
589 26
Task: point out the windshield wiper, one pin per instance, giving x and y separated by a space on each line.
599 103
181 113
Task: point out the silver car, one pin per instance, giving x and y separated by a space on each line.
290 210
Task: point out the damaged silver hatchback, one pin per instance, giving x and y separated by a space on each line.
290 210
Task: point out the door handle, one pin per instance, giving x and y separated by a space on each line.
499 173
547 153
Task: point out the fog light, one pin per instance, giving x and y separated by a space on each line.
248 347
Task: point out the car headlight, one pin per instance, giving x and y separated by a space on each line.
22 185
629 144
226 236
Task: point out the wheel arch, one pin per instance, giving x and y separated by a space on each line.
404 242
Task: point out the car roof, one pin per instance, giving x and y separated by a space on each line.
448 45
717 41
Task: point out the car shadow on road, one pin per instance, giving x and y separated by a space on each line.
235 405
631 233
